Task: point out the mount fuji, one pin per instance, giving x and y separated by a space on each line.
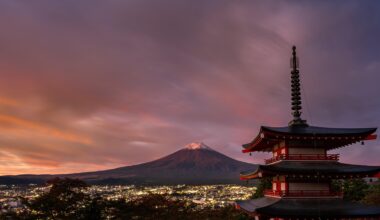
196 163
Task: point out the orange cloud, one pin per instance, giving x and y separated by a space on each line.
13 164
39 128
8 102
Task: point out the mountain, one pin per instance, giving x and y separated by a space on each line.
195 164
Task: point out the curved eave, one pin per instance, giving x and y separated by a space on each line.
307 208
320 131
338 137
311 168
251 174
250 206
247 147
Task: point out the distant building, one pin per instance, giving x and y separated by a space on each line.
302 171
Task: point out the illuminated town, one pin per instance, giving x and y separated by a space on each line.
214 196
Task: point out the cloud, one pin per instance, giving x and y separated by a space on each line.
93 84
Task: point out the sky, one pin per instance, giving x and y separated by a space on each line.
91 85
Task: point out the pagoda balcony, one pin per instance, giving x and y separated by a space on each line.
303 193
330 157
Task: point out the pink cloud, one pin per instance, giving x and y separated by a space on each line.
103 84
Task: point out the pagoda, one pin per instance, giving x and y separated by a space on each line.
302 171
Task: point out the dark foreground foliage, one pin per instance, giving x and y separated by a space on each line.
66 201
264 184
372 196
356 190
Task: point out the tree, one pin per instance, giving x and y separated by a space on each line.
372 196
156 206
228 212
63 201
264 183
10 215
353 189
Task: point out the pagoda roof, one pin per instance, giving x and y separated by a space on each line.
311 168
307 208
314 130
268 137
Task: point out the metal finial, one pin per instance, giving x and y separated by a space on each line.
294 62
296 91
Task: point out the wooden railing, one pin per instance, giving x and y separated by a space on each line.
333 157
303 193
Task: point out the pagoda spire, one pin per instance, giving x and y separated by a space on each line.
296 91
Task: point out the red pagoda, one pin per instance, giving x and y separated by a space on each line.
302 171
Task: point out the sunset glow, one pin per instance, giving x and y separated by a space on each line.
94 85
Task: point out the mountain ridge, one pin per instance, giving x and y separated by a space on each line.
197 163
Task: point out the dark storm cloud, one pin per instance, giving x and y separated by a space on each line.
107 83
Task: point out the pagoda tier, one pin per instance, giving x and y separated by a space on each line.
312 169
266 207
308 136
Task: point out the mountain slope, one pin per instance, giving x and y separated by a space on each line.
195 164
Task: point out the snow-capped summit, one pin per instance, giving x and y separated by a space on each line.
197 146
